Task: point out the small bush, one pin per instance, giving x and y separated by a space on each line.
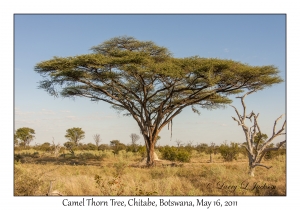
229 152
132 148
270 155
105 154
36 155
142 151
183 156
175 154
103 147
46 147
88 155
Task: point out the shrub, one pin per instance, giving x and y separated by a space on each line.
175 154
44 147
103 147
183 156
142 151
229 152
36 155
202 148
105 154
71 147
168 153
117 146
273 154
88 155
132 148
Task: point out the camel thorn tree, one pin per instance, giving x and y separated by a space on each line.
256 142
147 82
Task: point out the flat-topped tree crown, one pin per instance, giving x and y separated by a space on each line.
149 83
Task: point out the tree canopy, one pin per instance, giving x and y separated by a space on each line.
24 134
75 135
150 84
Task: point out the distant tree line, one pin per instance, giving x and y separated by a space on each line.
181 152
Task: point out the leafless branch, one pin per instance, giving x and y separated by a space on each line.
256 150
261 165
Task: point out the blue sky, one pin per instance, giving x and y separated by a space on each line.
252 39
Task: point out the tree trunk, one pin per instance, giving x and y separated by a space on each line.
251 171
150 154
210 158
251 164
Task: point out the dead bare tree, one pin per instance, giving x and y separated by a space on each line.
178 142
256 150
97 140
56 148
211 151
134 138
190 143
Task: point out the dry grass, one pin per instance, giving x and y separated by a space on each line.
121 176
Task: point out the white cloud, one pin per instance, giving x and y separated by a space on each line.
19 112
73 118
46 112
65 111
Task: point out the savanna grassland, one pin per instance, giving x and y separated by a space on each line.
99 173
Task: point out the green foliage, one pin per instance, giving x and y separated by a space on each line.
188 147
243 150
22 146
88 156
168 153
25 135
71 146
142 151
103 147
46 147
183 156
16 142
202 148
123 70
110 74
25 156
88 146
270 155
132 148
105 154
229 152
212 149
117 146
259 139
175 154
75 135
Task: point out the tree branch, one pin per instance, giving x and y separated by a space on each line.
261 165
